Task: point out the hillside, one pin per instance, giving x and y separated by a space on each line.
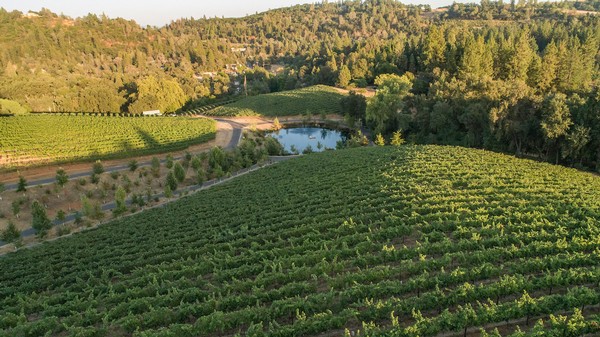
518 77
318 99
419 240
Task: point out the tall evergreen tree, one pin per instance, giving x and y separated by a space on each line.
477 61
434 48
40 221
549 67
520 60
344 77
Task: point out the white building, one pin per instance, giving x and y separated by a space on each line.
152 113
31 15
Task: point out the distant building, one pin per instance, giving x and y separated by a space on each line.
31 15
152 113
210 74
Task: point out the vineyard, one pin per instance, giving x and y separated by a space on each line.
385 241
316 100
43 139
203 109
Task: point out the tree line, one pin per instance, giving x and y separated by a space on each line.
518 76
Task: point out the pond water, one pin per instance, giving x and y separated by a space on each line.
319 139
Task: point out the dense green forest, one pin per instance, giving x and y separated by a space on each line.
518 76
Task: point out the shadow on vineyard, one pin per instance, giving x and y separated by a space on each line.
148 140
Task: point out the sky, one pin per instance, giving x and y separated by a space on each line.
161 12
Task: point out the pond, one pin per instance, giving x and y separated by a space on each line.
300 138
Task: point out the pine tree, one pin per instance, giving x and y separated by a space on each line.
172 181
549 67
168 192
179 172
397 139
120 205
169 162
434 49
41 223
16 207
22 185
344 77
521 58
477 60
61 177
61 215
133 165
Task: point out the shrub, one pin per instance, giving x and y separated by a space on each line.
133 165
308 150
98 168
90 209
16 207
11 233
61 215
200 176
397 139
273 147
379 140
169 162
94 178
63 230
155 167
196 163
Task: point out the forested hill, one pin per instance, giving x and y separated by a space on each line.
99 57
54 63
517 76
